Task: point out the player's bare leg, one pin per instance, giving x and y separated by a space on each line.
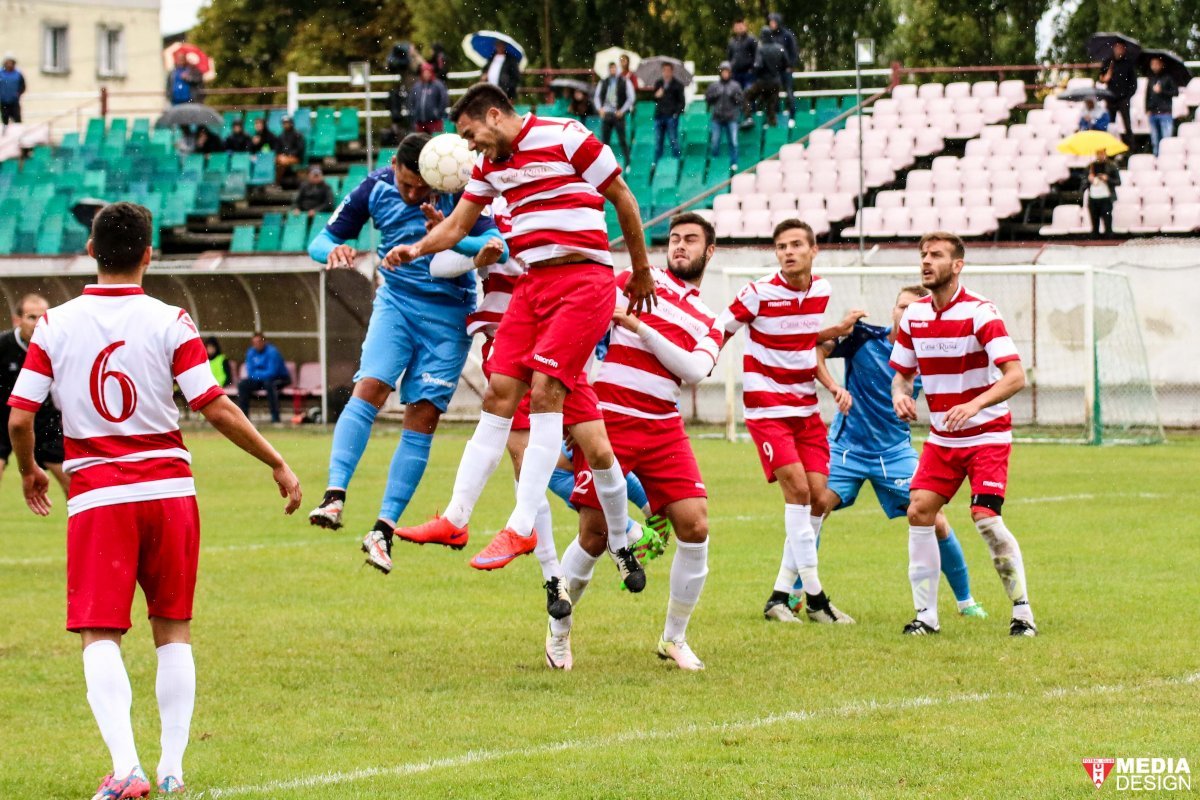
111 698
689 568
1006 557
611 490
176 691
924 560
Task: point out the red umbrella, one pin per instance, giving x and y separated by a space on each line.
194 56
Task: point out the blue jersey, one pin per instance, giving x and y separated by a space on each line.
872 426
377 199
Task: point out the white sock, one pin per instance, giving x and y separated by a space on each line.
614 501
111 698
689 568
537 465
785 581
924 568
816 523
479 460
1006 558
176 690
578 566
547 554
802 541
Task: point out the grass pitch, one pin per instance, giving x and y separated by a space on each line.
318 677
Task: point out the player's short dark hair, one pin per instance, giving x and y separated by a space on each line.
916 288
958 250
794 224
692 218
121 232
478 100
408 154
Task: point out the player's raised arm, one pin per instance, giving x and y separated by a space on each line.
229 420
640 288
444 235
843 328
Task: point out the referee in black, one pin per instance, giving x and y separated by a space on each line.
48 430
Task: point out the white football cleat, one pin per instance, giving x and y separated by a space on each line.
681 654
327 515
379 552
558 650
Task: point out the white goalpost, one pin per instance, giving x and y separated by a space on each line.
1075 327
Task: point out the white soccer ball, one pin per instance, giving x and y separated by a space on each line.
446 163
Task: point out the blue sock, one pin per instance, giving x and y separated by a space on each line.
562 483
798 586
954 567
637 494
408 465
350 437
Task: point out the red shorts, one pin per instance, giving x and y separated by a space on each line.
556 317
657 450
581 404
790 440
942 469
154 544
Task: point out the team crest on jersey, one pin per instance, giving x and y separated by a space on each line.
1098 769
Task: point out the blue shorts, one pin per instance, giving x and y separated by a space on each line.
415 346
890 474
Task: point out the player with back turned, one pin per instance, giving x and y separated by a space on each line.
969 368
111 358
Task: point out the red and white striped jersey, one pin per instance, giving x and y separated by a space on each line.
499 280
553 183
111 358
957 350
780 363
631 380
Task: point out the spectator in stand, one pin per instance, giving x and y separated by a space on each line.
12 86
428 101
218 363
1118 74
740 53
263 139
1103 180
265 372
504 70
289 151
615 97
724 100
207 142
770 64
185 84
774 32
669 103
1160 94
237 141
627 73
580 107
441 62
315 194
1093 118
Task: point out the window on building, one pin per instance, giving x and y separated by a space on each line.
54 48
110 52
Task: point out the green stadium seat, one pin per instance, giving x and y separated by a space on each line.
323 142
319 221
263 170
666 173
70 145
8 235
272 218
275 120
94 136
250 117
217 165
354 176
269 236
295 234
118 130
775 138
234 187
385 157
141 130
335 184
175 211
347 125
243 239
240 162
326 115
208 198
50 235
303 121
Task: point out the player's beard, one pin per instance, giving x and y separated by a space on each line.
690 271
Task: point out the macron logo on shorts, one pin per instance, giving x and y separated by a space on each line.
994 485
427 378
549 362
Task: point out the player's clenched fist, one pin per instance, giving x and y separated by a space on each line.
400 254
843 399
905 407
640 291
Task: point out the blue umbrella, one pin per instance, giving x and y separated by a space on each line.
480 46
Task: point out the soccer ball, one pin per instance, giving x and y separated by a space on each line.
446 163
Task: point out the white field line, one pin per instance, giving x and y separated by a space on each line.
845 711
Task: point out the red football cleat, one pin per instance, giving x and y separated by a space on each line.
507 545
438 530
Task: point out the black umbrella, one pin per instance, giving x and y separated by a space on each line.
1081 93
1100 46
568 83
1173 65
650 70
190 114
85 210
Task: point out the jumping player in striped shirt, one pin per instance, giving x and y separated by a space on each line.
649 356
969 368
779 390
111 358
555 177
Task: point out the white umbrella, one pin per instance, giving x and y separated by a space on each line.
612 55
480 45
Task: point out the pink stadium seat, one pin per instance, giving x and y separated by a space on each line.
919 179
886 106
1142 162
1183 195
1006 201
841 205
896 222
754 202
1191 93
1020 131
785 201
308 384
1080 83
875 138
944 164
968 105
929 141
1065 220
1171 147
900 154
915 120
1005 150
994 132
994 109
976 178
917 198
768 168
1031 184
985 89
939 109
879 172
954 219
1013 90
1185 218
808 202
743 185
1038 118
1155 217
796 177
946 180
948 198
769 182
1125 217
958 89
791 152
867 221
1193 147
818 221
852 123
778 215
757 224
1023 163
890 199
728 223
1146 181
904 134
972 163
981 221
969 125
821 137
1004 179
928 91
981 196
923 221
726 202
706 213
1056 167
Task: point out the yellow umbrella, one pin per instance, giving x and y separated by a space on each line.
1088 143
612 55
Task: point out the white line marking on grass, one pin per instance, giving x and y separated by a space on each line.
228 548
857 708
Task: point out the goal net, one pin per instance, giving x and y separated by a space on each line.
1075 327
